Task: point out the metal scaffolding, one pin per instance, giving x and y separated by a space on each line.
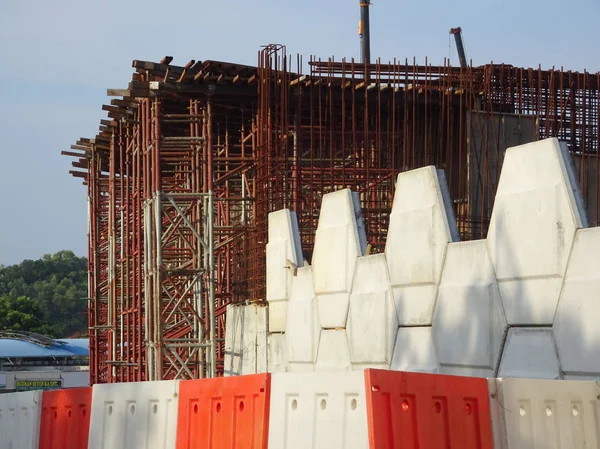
192 159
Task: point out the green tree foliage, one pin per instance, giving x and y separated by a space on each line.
45 295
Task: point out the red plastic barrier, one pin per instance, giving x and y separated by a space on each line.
65 422
225 412
427 411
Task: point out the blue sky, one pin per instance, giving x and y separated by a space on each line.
59 57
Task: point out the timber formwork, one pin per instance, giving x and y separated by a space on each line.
183 174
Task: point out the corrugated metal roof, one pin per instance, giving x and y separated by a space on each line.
70 347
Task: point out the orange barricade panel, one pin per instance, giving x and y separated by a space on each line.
65 420
427 411
224 412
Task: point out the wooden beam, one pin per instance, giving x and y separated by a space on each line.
79 164
80 147
114 109
298 80
71 153
123 103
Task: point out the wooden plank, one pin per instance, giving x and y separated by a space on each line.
118 92
252 79
114 109
79 164
123 103
78 174
108 122
71 153
298 80
198 75
167 60
81 147
135 93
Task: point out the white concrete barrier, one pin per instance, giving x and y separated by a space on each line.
303 326
277 357
528 413
576 326
134 415
20 420
318 410
339 241
245 340
469 323
537 209
283 248
334 352
467 295
421 226
372 320
414 351
530 352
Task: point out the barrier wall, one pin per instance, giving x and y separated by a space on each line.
246 340
529 413
134 415
65 421
356 410
523 302
409 410
318 410
224 413
20 420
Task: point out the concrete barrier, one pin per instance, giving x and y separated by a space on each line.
20 420
535 413
134 415
318 410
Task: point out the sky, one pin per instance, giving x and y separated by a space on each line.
60 56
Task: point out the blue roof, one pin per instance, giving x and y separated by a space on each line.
70 347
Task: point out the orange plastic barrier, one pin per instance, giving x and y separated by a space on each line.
427 411
224 413
65 422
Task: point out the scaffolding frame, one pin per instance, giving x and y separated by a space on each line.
191 160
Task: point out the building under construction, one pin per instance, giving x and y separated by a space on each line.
191 159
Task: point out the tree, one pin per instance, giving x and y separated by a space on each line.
45 295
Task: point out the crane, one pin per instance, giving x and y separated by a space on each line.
460 48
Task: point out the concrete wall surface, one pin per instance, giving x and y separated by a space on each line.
523 302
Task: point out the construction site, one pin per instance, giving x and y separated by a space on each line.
192 158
